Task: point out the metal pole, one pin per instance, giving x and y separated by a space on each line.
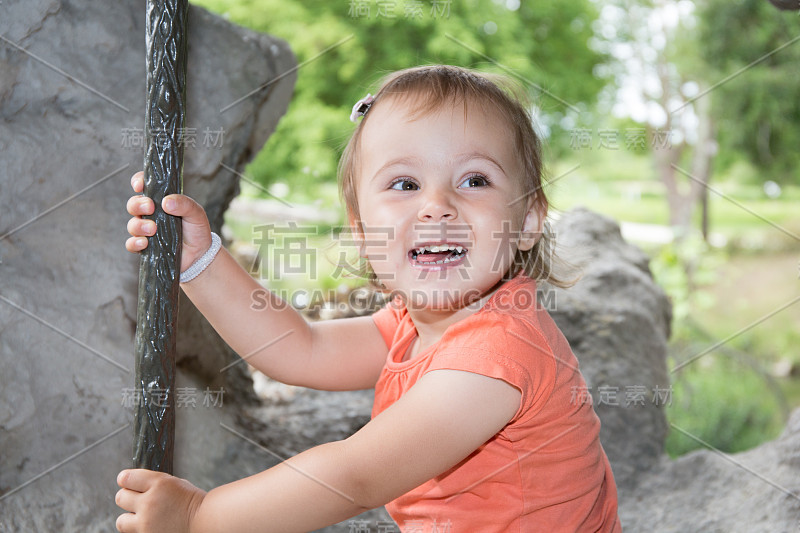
159 268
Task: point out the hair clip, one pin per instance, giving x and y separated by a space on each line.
361 107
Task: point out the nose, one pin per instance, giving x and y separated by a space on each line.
437 205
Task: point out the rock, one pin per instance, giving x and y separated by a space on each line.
757 491
72 95
617 321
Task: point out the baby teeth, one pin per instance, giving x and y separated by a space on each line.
442 248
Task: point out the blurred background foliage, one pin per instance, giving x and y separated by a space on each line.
345 47
758 112
678 118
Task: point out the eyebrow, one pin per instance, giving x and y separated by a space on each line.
459 158
407 160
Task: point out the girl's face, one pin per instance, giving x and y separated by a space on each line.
442 203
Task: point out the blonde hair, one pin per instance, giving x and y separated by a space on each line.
430 88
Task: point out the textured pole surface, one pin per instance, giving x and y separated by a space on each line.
159 269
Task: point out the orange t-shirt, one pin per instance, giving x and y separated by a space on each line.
546 470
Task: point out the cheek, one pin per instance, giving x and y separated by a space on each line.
381 241
507 231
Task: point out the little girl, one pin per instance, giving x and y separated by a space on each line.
475 427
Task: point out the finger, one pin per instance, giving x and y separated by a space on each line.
140 205
126 499
182 206
138 479
126 523
141 226
137 181
136 244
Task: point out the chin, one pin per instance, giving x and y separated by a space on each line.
439 298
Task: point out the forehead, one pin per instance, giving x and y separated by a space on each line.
407 127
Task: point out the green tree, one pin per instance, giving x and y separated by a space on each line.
544 44
755 48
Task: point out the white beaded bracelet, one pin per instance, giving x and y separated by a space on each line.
201 264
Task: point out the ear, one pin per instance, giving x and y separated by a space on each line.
531 230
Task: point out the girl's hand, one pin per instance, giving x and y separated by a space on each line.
157 502
196 230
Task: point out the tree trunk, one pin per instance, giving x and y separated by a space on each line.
679 211
703 157
682 202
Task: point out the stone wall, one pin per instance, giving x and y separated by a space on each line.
72 89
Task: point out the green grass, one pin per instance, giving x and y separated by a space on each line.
722 403
737 314
622 185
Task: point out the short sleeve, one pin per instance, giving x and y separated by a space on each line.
505 348
387 319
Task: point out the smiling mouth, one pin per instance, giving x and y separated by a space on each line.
440 254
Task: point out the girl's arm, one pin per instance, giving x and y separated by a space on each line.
263 329
343 354
434 426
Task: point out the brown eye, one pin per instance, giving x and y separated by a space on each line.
404 185
476 180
